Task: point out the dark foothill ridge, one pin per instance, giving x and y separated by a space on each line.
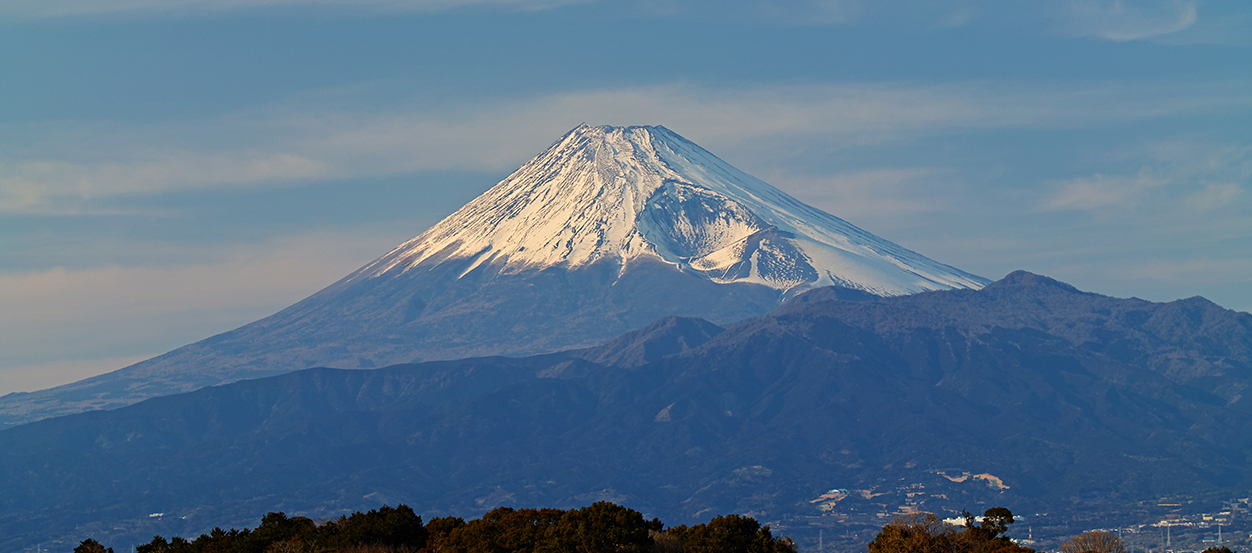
1071 400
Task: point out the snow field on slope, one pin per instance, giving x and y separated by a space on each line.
622 193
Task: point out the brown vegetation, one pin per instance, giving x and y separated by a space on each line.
926 533
1094 541
601 527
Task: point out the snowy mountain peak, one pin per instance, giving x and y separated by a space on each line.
619 194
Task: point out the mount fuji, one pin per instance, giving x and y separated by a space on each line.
607 230
623 195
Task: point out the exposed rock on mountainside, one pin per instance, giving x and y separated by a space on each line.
1027 393
607 230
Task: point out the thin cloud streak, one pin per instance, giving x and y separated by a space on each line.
885 193
1201 177
288 147
1101 191
24 185
1162 21
44 9
785 12
1215 196
1123 21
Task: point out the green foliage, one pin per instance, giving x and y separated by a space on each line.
438 530
279 533
602 527
442 526
731 534
915 533
995 521
502 530
925 533
276 528
387 526
157 545
92 546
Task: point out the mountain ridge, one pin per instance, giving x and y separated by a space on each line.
1072 401
625 192
605 231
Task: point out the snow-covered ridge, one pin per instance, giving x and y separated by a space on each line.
625 193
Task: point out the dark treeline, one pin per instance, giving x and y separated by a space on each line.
600 527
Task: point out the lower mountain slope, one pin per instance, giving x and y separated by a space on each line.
607 230
1028 394
442 311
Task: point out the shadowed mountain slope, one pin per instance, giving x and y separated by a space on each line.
1054 398
607 230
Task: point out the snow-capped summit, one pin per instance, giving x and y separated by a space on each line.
608 230
624 193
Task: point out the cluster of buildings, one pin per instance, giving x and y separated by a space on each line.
1179 525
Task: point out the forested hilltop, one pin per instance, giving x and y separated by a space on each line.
601 526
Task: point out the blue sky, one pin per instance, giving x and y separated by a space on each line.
171 169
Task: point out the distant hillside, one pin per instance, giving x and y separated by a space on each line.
1027 394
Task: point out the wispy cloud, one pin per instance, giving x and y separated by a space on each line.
888 193
1099 191
1197 177
57 170
1215 196
1230 27
1128 20
1175 223
39 9
786 12
29 185
65 314
1114 20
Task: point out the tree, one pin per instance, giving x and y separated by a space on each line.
1218 549
274 528
395 526
731 534
915 533
438 530
157 545
92 546
996 521
1094 541
501 530
925 533
602 526
991 535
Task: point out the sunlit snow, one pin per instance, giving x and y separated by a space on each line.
624 193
